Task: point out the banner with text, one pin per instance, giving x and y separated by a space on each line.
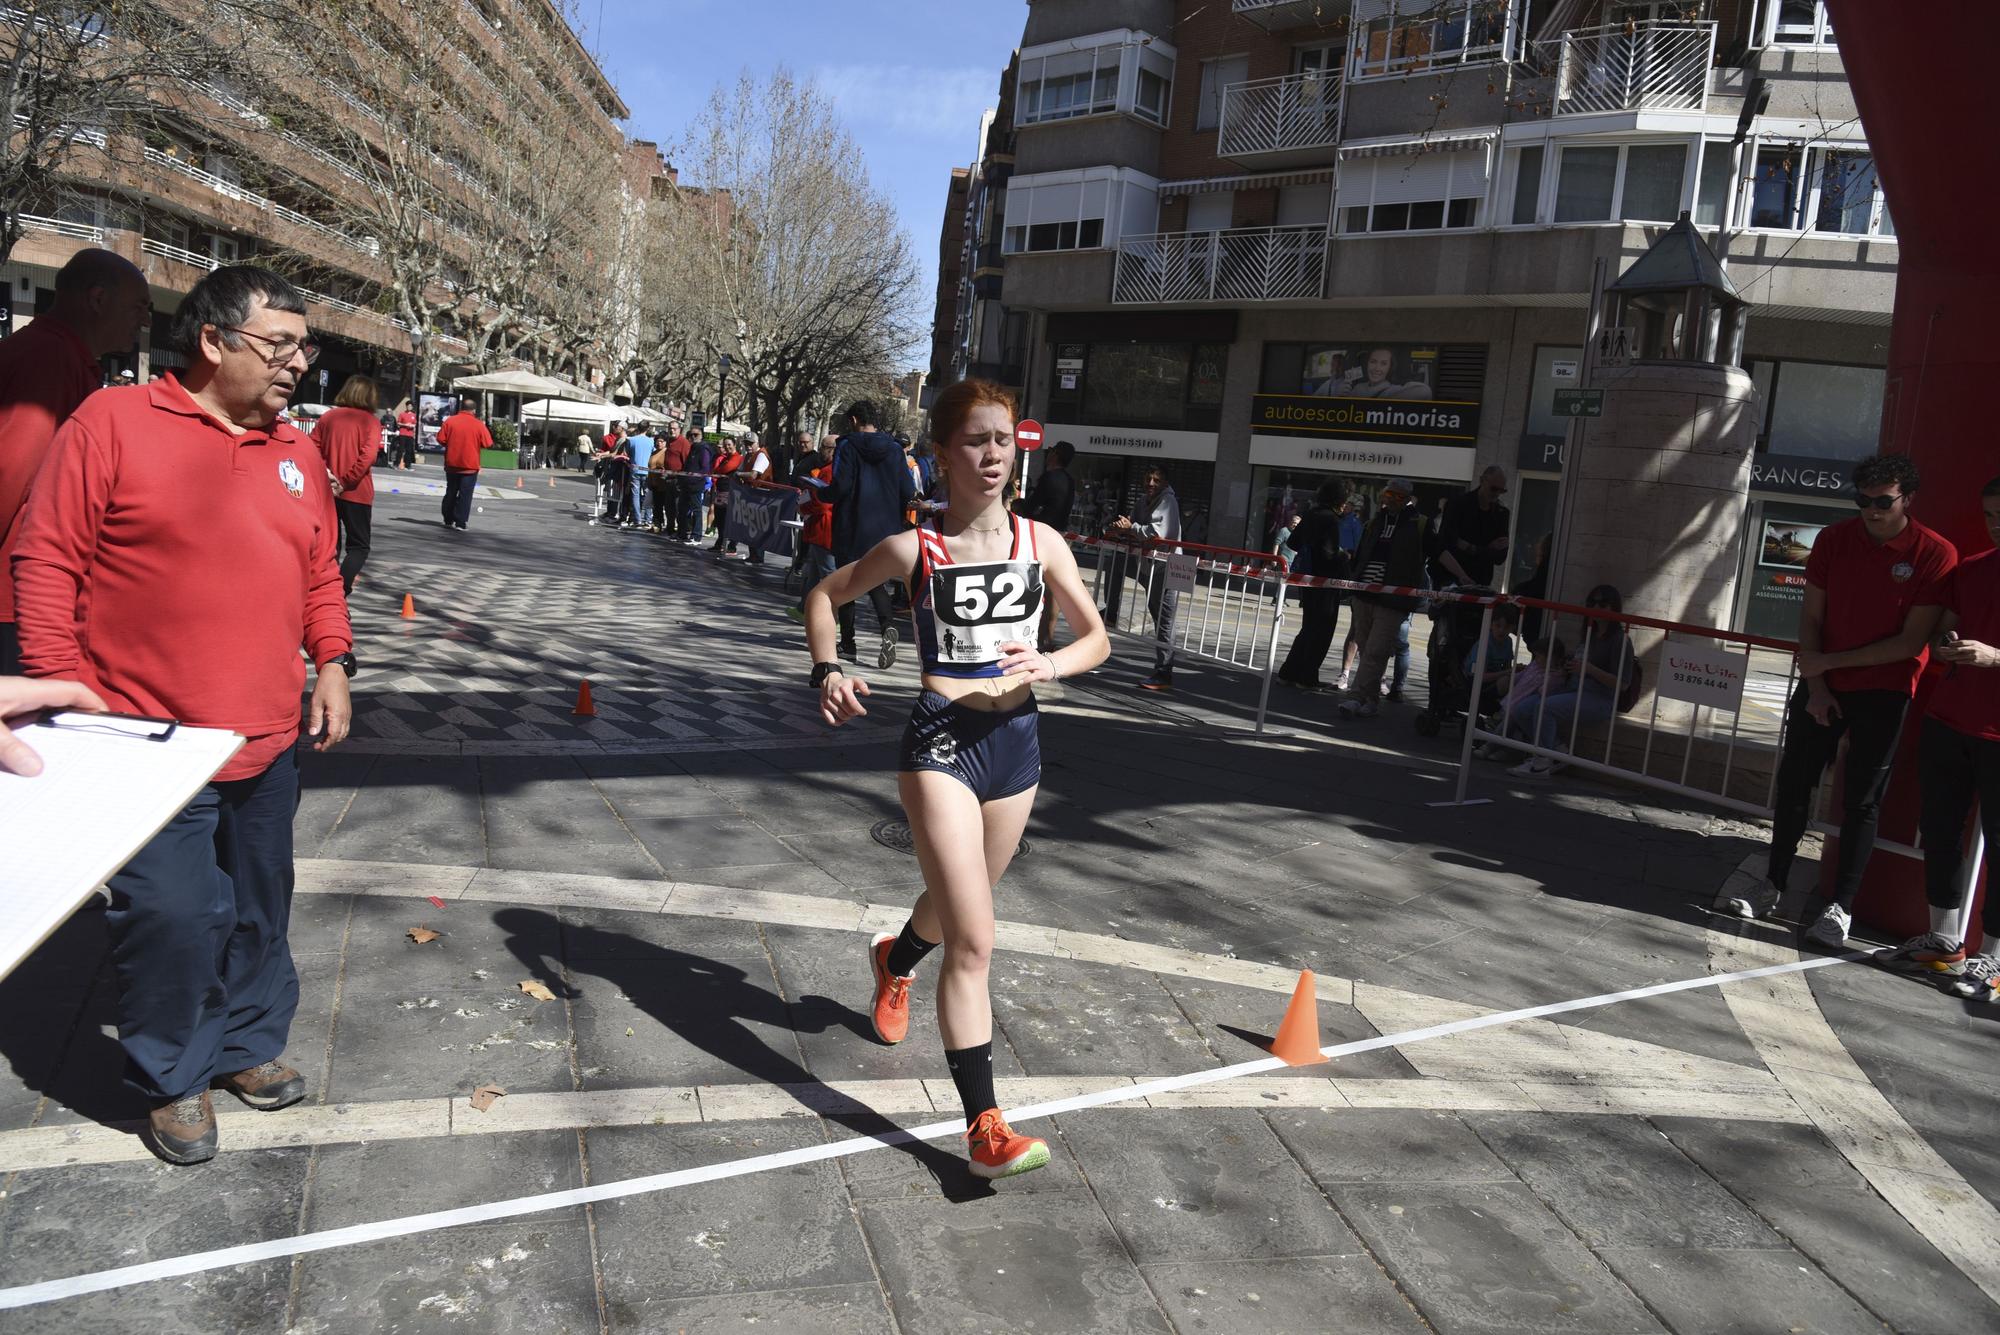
757 516
1145 442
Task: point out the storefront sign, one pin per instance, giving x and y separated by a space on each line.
1797 476
1438 421
1701 673
1145 442
1445 463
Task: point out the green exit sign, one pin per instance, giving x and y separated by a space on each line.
1579 403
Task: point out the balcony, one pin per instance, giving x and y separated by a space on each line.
193 259
1659 66
1275 123
1281 15
1244 264
74 231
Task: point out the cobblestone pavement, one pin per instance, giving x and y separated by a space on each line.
693 877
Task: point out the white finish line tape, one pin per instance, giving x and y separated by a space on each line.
52 1290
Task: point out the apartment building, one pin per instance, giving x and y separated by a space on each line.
973 332
227 170
1218 210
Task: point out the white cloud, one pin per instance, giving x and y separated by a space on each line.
917 101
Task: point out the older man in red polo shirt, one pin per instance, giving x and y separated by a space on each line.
1875 590
463 436
176 554
102 302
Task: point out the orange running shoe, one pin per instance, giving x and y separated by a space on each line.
998 1152
892 992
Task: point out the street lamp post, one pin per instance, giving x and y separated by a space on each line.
721 391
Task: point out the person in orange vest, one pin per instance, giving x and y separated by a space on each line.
463 436
817 514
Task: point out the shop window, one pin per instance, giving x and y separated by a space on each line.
1819 410
1138 384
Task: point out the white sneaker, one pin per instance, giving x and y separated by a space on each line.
1830 928
1342 682
1979 978
1759 903
1534 767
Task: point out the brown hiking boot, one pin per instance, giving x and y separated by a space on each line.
183 1131
269 1087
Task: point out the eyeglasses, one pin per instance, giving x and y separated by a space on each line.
282 349
1876 502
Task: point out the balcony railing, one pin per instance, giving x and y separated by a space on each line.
177 254
230 190
1299 111
1245 264
1658 66
1272 15
75 231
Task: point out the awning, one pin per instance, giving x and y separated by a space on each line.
523 383
1268 181
1441 144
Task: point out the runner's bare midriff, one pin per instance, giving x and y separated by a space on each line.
984 693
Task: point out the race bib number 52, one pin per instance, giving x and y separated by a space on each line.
978 608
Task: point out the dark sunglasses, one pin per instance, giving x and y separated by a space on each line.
1876 502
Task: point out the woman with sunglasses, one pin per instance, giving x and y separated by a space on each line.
1597 673
971 757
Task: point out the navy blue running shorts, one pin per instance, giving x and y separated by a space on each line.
995 753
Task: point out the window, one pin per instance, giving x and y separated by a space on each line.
1818 410
1618 182
1419 35
1823 189
1139 384
1527 183
1412 191
1217 75
1116 71
1711 196
1211 211
1076 210
1800 23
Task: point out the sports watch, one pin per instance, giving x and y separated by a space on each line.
821 671
345 662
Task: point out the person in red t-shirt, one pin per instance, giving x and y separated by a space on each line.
349 438
463 436
175 557
1874 595
1958 761
816 516
405 454
726 464
49 368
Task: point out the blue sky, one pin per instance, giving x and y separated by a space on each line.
910 77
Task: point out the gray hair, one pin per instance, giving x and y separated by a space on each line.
224 299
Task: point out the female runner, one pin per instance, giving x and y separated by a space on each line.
970 759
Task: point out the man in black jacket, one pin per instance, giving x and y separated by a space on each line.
1471 536
870 492
1392 551
1317 542
1054 493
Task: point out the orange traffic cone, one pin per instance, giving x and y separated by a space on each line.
1297 1043
409 608
519 482
584 708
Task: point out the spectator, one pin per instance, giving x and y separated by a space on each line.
463 436
46 370
672 465
1392 551
1317 552
1547 672
1054 494
194 604
756 466
816 531
700 463
727 462
640 446
584 448
1488 672
871 489
1471 536
1162 524
1875 592
1958 763
1596 679
348 440
405 447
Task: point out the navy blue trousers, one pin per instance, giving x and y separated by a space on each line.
456 508
198 926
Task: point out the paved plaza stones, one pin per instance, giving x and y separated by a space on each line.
695 882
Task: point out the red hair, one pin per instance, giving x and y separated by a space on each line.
955 405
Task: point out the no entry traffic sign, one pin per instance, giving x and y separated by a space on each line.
1028 434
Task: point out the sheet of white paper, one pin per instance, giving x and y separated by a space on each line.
104 790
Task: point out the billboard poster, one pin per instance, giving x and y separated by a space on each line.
433 407
1369 371
1787 543
1366 392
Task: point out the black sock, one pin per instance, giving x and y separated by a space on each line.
972 1072
909 951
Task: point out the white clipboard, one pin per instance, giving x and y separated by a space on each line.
109 783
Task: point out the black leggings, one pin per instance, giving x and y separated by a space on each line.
885 616
1955 768
357 520
1872 721
1319 609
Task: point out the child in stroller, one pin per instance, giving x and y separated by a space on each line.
1458 661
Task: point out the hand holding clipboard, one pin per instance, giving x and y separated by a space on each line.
20 696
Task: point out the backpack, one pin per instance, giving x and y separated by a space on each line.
1632 687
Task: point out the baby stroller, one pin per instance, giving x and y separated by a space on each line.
1454 632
